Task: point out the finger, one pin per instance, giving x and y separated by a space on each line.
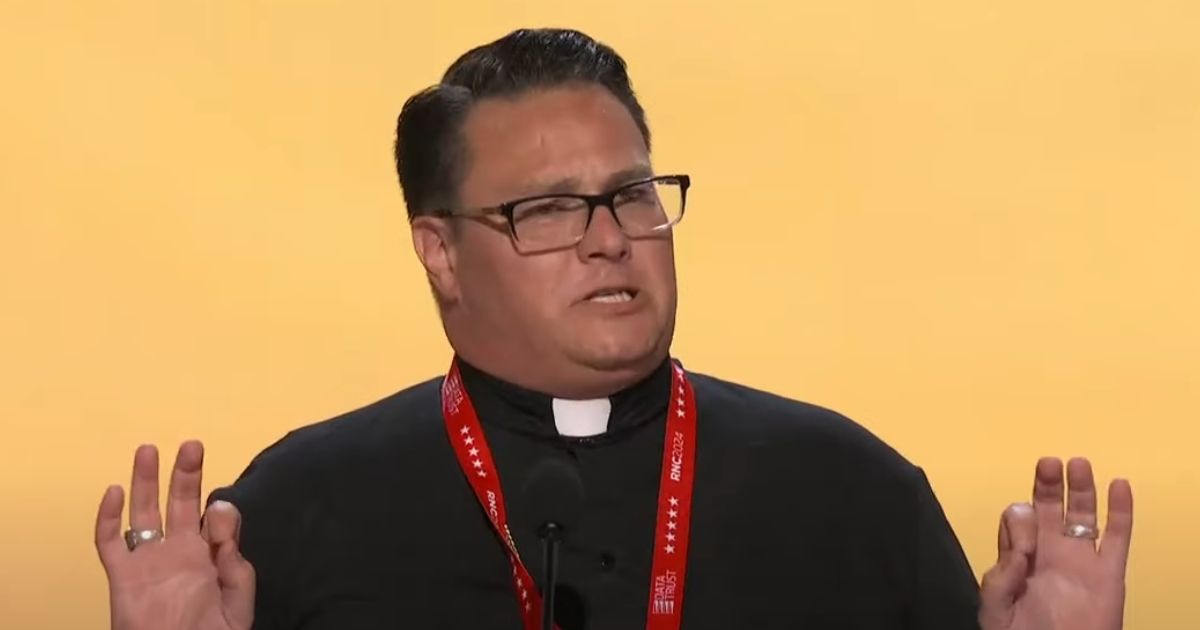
222 523
1021 524
1081 493
143 492
183 498
222 526
109 543
1000 588
1048 494
1004 582
237 580
1118 531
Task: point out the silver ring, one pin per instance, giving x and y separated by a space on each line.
135 537
1076 530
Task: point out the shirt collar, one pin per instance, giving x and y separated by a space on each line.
513 407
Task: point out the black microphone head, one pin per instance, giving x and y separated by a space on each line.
552 496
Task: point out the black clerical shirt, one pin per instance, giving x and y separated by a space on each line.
801 519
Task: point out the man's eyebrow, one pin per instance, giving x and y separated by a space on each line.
631 174
572 185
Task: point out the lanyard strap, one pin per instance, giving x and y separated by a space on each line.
674 497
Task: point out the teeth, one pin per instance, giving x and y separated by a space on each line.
612 297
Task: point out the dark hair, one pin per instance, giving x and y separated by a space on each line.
430 152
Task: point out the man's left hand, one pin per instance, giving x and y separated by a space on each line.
1051 573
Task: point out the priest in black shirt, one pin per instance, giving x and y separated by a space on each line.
684 501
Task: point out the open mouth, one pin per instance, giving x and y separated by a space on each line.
612 296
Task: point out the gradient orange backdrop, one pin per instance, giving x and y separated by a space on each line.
971 225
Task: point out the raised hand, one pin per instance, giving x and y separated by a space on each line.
1050 574
193 578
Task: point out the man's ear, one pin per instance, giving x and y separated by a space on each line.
434 240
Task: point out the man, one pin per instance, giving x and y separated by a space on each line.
546 236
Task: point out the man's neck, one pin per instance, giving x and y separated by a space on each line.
568 382
502 401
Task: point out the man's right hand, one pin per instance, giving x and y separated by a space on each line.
194 578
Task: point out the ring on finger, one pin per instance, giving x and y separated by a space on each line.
1079 530
136 537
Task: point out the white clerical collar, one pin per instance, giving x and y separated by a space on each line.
581 418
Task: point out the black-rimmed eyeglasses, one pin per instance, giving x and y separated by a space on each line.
642 208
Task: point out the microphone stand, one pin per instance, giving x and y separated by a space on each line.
551 535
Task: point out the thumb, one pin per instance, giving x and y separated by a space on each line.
1004 583
222 523
236 577
1018 532
222 527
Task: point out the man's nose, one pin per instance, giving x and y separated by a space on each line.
604 237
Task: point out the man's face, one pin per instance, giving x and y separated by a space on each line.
535 318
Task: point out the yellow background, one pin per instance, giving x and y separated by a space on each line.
972 225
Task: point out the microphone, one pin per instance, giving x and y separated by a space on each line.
553 499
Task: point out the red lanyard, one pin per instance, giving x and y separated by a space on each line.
674 497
